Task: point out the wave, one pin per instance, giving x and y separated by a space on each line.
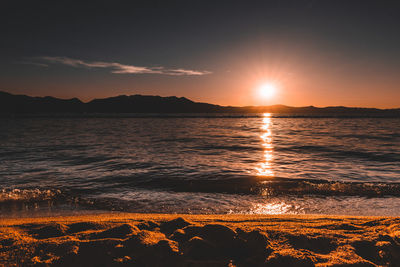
337 153
328 188
28 195
278 187
235 186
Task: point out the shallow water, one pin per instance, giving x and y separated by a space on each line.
260 164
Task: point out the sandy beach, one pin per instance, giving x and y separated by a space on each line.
200 240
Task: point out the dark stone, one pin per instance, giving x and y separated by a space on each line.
148 225
121 231
179 235
83 226
199 249
170 226
49 231
279 260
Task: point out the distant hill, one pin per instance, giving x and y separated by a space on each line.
22 104
10 103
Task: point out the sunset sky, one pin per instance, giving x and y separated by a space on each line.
319 53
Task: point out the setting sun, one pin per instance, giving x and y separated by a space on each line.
267 90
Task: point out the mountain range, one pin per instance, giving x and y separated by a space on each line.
28 105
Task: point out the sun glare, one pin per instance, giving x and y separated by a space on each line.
267 90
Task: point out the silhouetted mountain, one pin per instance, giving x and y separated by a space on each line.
10 103
22 104
149 104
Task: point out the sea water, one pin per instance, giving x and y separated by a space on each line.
249 164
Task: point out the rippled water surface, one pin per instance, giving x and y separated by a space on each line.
264 164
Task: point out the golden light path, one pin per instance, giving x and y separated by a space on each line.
265 168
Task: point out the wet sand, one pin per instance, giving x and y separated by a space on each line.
200 240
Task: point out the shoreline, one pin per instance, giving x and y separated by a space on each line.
142 239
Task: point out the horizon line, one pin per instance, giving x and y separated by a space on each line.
247 106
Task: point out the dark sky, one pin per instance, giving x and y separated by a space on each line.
313 52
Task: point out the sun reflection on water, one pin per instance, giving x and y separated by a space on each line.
273 208
265 167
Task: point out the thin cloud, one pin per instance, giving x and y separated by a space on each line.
32 63
116 67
